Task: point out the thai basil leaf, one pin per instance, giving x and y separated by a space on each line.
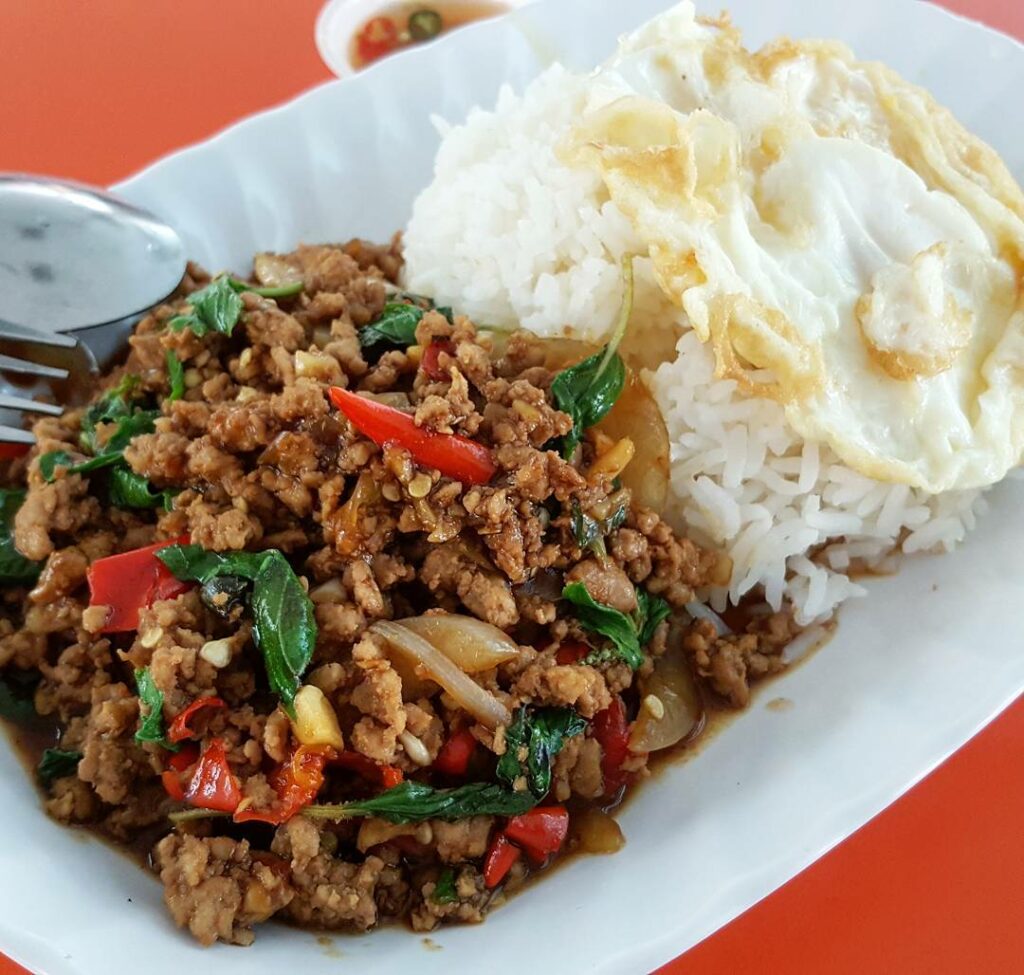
284 626
608 622
113 405
57 763
650 611
396 326
587 391
14 567
175 375
215 308
110 409
288 290
531 743
130 490
193 563
444 889
413 802
17 689
586 531
151 723
629 634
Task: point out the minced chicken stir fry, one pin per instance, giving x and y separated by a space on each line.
350 609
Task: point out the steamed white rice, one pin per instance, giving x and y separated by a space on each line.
510 235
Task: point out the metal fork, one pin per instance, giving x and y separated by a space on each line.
71 256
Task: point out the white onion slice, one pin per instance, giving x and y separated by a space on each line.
680 710
700 611
471 644
485 707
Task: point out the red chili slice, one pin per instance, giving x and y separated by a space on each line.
213 786
386 775
453 759
456 457
431 354
130 582
611 729
571 652
541 831
296 782
179 729
500 857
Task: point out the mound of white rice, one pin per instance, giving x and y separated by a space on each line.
510 235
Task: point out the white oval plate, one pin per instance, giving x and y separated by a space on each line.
915 670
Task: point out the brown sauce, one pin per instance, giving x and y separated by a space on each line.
380 44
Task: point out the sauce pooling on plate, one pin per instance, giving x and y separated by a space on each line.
406 24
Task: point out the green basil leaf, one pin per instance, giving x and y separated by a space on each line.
14 567
57 763
130 490
49 463
113 405
608 622
284 626
532 742
151 723
444 889
413 802
175 375
215 308
225 594
395 326
288 290
17 690
193 563
587 391
650 611
586 532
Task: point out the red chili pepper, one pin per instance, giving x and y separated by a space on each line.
11 451
500 857
296 782
172 785
179 729
130 582
454 756
431 354
386 775
378 37
611 729
571 652
456 457
213 786
179 763
541 831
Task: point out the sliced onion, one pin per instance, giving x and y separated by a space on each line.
471 644
636 415
679 712
701 611
469 695
596 831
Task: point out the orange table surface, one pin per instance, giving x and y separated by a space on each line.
935 884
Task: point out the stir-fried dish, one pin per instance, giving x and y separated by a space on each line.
349 608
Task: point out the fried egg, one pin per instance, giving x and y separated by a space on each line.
843 244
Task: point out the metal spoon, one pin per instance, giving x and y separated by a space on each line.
72 257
